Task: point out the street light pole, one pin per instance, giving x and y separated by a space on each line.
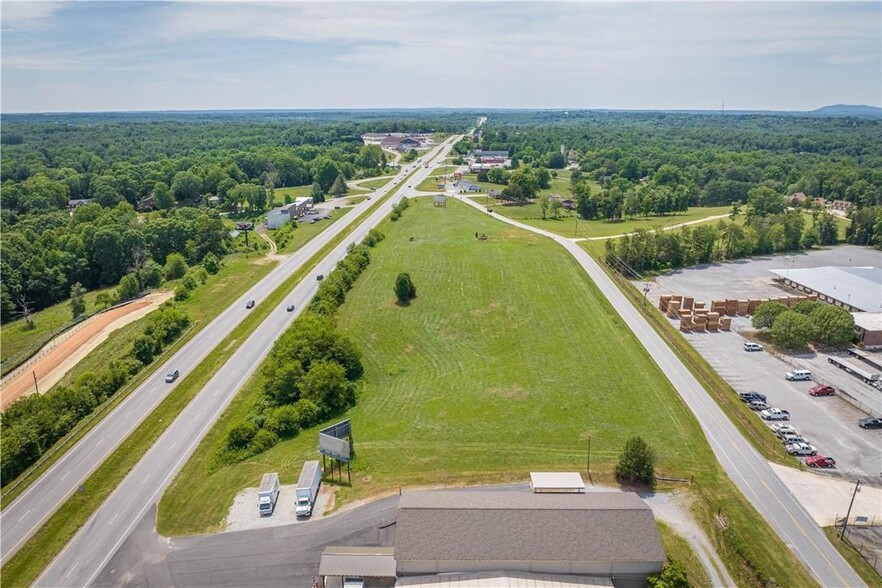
646 287
857 488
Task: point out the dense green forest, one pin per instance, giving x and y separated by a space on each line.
171 162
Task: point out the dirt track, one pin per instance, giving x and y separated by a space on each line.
66 354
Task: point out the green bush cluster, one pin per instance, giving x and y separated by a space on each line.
399 209
673 575
309 376
32 424
333 289
809 321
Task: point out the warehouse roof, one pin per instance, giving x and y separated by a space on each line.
858 287
557 482
504 580
513 526
364 562
868 321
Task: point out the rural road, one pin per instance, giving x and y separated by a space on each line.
96 542
748 469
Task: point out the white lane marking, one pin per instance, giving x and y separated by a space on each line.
113 519
65 475
24 515
67 575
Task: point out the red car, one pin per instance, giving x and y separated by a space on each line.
822 391
820 461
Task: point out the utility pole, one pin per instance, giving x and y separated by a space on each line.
589 455
35 382
645 292
857 488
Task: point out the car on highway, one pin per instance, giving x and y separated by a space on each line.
820 461
781 428
870 423
801 449
757 405
750 396
172 376
822 390
290 308
320 277
748 346
249 304
775 414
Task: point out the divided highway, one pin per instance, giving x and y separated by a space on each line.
93 546
744 465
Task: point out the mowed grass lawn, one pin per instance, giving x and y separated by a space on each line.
507 362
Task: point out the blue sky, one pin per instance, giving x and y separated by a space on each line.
98 56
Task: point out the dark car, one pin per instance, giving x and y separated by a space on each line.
870 423
290 308
172 376
320 277
249 304
751 396
822 391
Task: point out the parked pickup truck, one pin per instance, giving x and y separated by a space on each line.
775 414
307 488
268 494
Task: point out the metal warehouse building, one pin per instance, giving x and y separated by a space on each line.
853 288
458 539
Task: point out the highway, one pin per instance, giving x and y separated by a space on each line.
744 465
96 542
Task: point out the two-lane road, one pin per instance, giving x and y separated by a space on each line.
101 536
747 468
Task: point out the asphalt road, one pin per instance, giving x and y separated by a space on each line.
747 468
90 549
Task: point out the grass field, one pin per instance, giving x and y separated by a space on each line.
474 382
374 184
568 225
678 549
18 343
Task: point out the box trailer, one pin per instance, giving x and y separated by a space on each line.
307 488
268 494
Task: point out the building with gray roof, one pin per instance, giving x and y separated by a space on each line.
595 536
853 288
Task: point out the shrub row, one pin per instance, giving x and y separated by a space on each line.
32 424
399 209
332 291
808 321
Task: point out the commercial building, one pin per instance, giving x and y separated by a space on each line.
280 215
869 328
509 538
853 288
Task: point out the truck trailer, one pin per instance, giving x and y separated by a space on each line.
307 488
268 494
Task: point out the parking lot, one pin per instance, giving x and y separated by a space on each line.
828 423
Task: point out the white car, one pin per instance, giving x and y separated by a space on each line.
801 449
775 414
748 346
782 428
791 438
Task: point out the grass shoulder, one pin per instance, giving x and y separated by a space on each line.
867 572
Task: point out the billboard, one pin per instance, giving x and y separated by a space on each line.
334 441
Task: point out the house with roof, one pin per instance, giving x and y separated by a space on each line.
466 186
460 538
77 202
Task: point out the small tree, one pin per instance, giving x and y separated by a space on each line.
766 313
104 299
175 266
833 325
792 330
405 291
128 287
318 195
636 463
672 576
338 188
77 300
211 263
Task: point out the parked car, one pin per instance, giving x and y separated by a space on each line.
801 449
749 396
782 428
794 437
172 376
822 390
820 461
290 308
798 375
249 304
870 423
775 414
748 346
327 217
757 405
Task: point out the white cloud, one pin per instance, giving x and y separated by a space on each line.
27 15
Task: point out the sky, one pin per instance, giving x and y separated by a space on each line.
120 55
